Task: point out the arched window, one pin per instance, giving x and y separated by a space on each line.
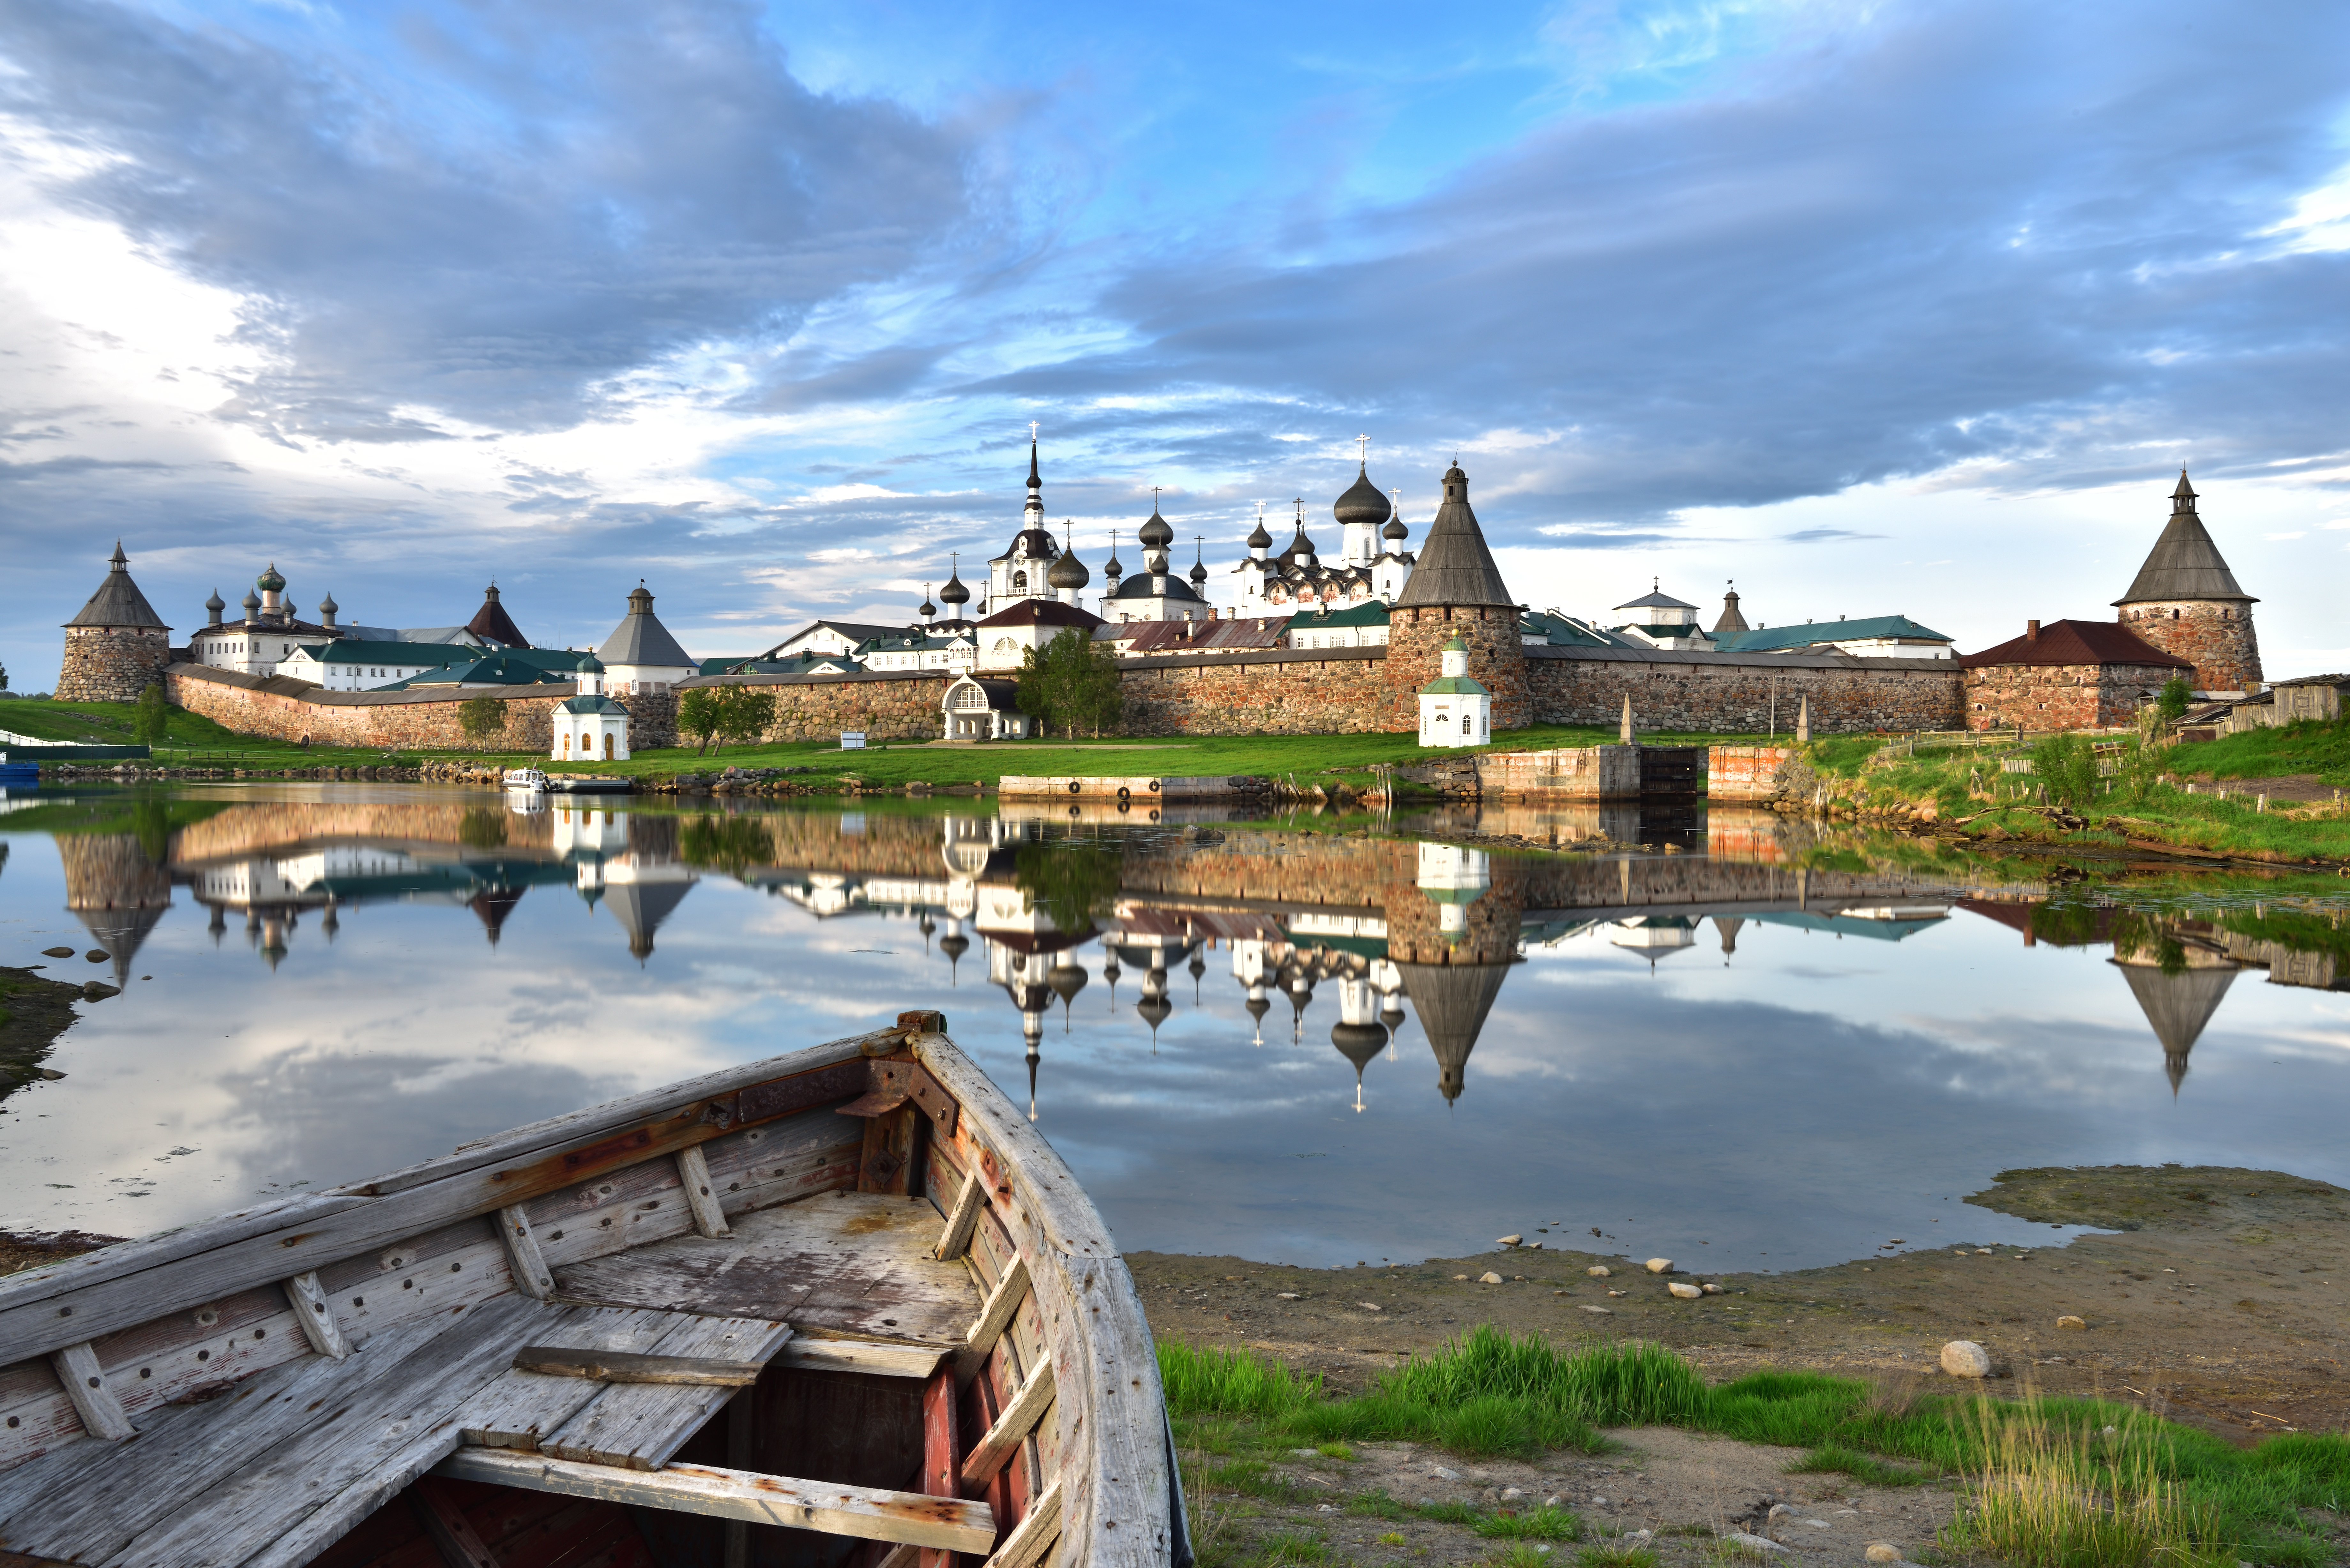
2174 615
1003 645
1019 582
566 742
970 697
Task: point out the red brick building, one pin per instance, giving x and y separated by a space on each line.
2066 675
2185 601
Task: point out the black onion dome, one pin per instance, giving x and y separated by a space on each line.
1199 572
1156 534
927 608
1362 503
1359 1043
1068 572
1258 539
954 593
1395 529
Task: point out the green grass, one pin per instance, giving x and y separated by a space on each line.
2308 747
110 724
1534 1524
1609 1556
1526 1396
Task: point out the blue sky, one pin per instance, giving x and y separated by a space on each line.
1908 307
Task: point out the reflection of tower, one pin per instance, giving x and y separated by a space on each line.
1249 969
954 944
1066 978
1454 971
492 904
641 896
1154 1007
2178 1004
1727 928
115 891
1198 966
1658 935
1356 1034
1299 982
1110 971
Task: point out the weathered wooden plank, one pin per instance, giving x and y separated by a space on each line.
91 1513
869 1512
508 1171
955 1240
855 1264
741 1453
1035 1536
900 1556
288 1502
693 1171
941 1454
891 1147
624 1367
991 1452
808 1355
1111 1459
102 1412
315 1313
1011 1289
639 1425
519 1409
452 1533
532 1277
936 1103
877 1103
124 1257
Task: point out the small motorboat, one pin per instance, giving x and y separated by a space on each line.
526 780
843 1307
591 784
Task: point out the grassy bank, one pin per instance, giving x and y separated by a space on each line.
2060 1482
2139 800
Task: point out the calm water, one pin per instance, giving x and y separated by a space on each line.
1759 1052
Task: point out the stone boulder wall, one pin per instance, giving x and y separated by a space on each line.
907 706
1282 692
2218 637
2059 696
111 664
1497 659
1720 691
1745 772
289 710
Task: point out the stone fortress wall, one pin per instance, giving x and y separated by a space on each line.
111 664
2218 639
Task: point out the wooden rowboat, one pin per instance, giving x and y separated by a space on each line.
842 1308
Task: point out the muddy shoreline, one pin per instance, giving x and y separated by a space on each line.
2215 1296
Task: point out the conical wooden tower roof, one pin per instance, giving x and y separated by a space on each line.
2184 564
1455 568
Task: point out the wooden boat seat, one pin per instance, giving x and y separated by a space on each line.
839 1265
281 1464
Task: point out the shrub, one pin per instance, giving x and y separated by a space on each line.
151 717
482 718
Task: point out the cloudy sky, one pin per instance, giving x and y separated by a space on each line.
1906 306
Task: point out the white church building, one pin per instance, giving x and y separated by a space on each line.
591 726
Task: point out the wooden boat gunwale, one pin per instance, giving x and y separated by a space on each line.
1112 1484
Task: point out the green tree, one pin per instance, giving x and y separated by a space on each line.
2068 769
1073 885
698 714
152 717
1072 683
2175 695
744 714
482 718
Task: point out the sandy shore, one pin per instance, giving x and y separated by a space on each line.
2216 1296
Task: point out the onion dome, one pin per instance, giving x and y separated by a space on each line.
1395 529
1392 1015
252 604
269 582
1156 534
927 608
327 606
1258 539
1068 572
589 664
1359 1043
1257 1007
1362 503
1199 572
214 606
954 593
1111 569
1155 1011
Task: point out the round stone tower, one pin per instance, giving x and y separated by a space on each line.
118 645
1455 590
2185 601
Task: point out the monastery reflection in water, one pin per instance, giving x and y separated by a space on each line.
1391 930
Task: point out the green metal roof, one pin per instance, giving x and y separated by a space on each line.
1775 638
413 655
1454 686
1370 612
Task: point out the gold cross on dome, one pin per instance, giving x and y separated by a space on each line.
1032 432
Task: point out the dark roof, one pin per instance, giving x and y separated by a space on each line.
1141 638
1002 695
1258 539
2077 642
1042 612
641 638
1653 599
1454 565
492 622
1369 612
1452 1001
2184 563
1730 619
1139 586
1362 503
118 601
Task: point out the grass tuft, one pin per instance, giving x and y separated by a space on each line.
2051 1494
1535 1524
1835 1459
1612 1557
1236 1382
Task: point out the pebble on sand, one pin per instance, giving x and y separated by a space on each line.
1370 1306
1965 1359
1489 1278
1752 1542
1597 1271
1661 1265
1685 1292
1884 1551
1285 1296
1713 1290
1507 1240
1600 1311
2069 1321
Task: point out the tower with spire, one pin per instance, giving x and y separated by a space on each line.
2185 602
1455 591
118 645
1022 571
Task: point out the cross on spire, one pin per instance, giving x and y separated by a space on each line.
1363 450
1032 432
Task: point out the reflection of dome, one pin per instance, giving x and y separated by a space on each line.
1452 1001
1359 1043
2179 1006
1154 1010
954 944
